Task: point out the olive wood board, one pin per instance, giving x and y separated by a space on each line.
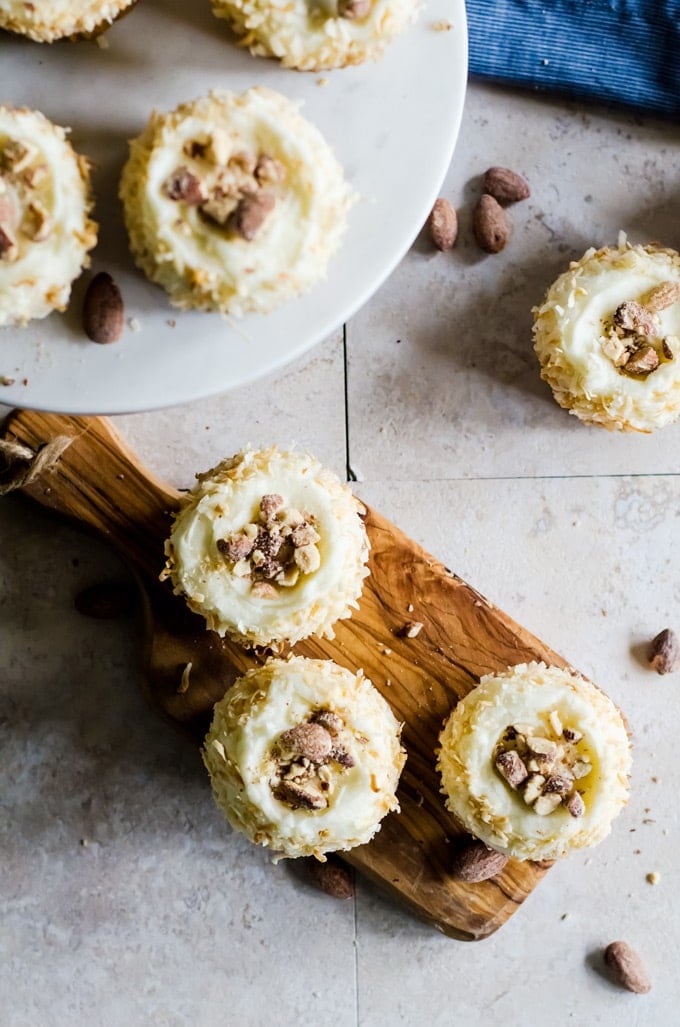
100 483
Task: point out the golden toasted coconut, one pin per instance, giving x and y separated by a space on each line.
535 762
46 22
607 335
304 757
45 229
269 548
314 37
234 202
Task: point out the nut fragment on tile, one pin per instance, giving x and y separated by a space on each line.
664 652
626 968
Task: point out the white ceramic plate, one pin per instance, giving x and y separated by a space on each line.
393 125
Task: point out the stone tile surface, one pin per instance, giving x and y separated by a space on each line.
441 364
585 564
126 900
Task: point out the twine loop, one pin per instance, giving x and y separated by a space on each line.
19 465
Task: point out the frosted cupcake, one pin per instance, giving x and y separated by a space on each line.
316 36
60 19
269 548
535 762
304 757
45 229
608 337
234 202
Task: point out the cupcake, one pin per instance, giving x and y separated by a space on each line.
314 37
535 762
234 203
269 547
304 757
45 231
60 19
608 337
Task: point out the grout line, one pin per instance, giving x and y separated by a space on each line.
349 473
356 960
521 478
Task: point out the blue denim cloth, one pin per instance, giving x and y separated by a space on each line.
617 51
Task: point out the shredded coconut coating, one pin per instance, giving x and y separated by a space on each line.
45 22
227 499
272 699
314 36
483 802
569 331
206 265
45 229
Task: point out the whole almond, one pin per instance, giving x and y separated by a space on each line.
626 968
505 185
103 309
473 861
443 224
664 652
332 877
491 224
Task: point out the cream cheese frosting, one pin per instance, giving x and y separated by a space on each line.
269 548
47 20
304 757
316 35
606 360
45 228
568 777
234 202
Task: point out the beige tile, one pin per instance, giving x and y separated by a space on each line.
443 381
164 916
127 899
590 566
302 405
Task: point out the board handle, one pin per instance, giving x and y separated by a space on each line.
81 468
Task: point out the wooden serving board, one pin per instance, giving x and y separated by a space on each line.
99 482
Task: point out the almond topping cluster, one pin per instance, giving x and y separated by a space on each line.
275 549
302 776
544 769
632 340
22 214
232 189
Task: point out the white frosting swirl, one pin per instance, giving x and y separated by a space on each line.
569 330
312 36
199 263
272 699
226 499
52 180
483 802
